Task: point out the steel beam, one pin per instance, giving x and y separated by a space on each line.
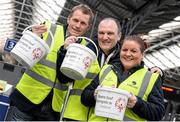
141 15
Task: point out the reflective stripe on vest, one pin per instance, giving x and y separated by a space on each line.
106 71
143 88
49 42
53 30
48 64
91 75
144 84
76 92
46 81
127 119
80 112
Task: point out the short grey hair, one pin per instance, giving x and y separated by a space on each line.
116 21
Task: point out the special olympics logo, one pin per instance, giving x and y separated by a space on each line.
120 104
87 61
37 53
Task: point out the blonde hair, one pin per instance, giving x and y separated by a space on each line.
85 9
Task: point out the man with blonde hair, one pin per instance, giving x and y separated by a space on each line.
39 94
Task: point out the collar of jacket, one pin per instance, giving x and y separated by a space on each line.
65 31
116 48
120 68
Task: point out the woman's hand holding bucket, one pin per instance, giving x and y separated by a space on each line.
96 91
132 101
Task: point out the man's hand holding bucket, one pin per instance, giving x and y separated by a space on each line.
39 29
69 40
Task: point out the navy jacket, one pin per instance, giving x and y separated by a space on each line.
152 110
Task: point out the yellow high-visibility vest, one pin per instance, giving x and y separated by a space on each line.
37 82
144 79
74 109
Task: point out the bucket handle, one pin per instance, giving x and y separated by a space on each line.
52 37
82 37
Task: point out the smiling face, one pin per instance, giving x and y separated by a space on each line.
78 23
130 54
108 35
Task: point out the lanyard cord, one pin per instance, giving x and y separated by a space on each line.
103 60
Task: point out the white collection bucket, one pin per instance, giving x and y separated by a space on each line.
111 102
78 59
30 48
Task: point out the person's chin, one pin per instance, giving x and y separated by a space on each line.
76 34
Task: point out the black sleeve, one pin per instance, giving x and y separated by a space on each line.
153 109
92 46
163 75
87 96
60 57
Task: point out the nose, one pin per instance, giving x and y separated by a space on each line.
128 53
78 24
105 36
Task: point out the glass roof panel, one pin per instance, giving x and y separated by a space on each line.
170 26
6 19
177 18
164 58
155 62
172 56
47 10
176 50
148 63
